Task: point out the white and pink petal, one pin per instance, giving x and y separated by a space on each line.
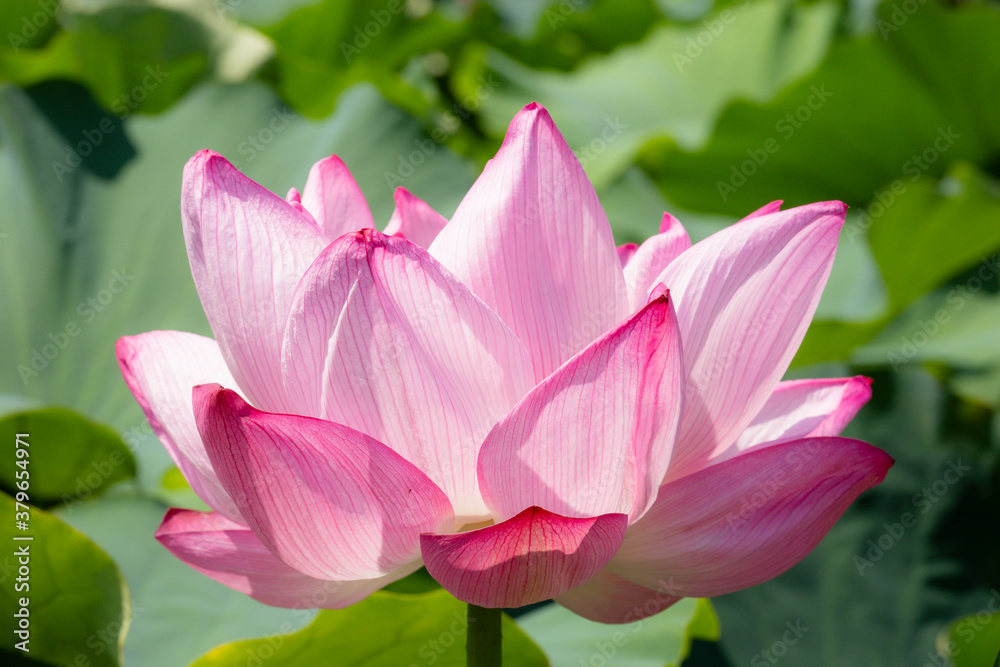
650 259
803 409
414 219
161 368
335 200
596 436
531 239
386 341
232 555
744 298
248 249
607 598
748 519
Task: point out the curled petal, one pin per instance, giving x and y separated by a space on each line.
529 558
328 501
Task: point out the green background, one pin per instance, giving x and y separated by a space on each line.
708 110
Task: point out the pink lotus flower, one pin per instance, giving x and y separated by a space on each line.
507 398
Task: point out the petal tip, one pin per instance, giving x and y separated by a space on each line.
402 195
204 159
124 347
531 115
213 399
667 222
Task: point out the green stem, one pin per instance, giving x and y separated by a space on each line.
482 646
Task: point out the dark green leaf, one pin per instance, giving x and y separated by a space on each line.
71 457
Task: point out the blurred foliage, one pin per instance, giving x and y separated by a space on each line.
661 640
169 599
905 558
708 109
974 641
358 636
